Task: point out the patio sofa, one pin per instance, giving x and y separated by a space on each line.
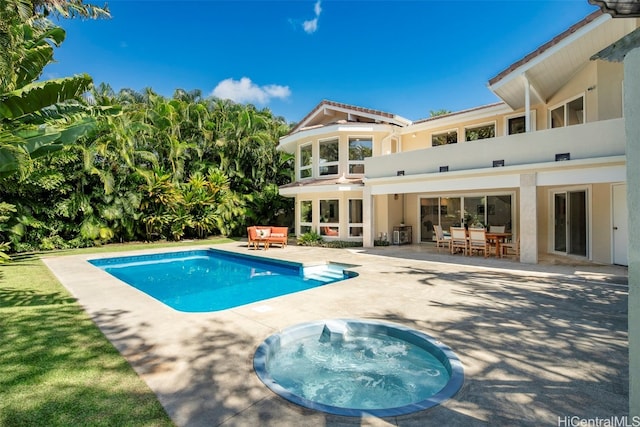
267 235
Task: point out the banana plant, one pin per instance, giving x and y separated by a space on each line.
30 123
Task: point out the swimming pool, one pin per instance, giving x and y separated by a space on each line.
199 281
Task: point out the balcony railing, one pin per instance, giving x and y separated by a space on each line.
587 141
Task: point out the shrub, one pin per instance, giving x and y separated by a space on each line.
312 238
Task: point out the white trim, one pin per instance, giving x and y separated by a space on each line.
286 142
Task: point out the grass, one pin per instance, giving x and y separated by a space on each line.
56 366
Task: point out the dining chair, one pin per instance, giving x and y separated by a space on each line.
511 249
496 228
441 239
458 240
478 241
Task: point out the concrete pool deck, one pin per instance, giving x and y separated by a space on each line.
539 344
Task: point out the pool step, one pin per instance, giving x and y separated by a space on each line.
325 275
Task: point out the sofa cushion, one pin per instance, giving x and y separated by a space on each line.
263 233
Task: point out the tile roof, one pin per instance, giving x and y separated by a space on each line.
619 8
455 113
328 103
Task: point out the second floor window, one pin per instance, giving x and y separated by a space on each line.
359 149
516 125
305 161
480 132
329 155
570 113
444 138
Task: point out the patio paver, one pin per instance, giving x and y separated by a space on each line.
538 343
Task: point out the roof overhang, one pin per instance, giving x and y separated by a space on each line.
289 142
571 172
478 113
547 69
330 185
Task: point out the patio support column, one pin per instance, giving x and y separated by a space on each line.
528 219
527 105
632 129
367 218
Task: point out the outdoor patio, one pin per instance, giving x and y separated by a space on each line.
538 342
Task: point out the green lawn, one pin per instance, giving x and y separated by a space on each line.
56 367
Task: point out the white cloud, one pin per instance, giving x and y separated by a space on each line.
311 26
244 90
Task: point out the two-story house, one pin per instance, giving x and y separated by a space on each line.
548 161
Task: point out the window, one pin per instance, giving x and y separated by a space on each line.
571 113
306 161
480 132
355 218
484 211
450 137
306 216
516 125
359 149
330 218
329 155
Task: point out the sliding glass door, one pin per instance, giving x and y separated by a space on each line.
476 210
570 222
445 211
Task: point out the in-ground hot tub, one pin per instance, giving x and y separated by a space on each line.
355 367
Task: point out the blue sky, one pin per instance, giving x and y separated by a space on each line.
403 57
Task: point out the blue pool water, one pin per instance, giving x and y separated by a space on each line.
212 280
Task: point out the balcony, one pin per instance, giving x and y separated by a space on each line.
588 141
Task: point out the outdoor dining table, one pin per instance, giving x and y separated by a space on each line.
498 238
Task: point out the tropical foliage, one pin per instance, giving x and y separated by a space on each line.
83 165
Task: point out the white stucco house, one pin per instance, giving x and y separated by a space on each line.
548 161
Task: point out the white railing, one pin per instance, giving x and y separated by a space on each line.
592 140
